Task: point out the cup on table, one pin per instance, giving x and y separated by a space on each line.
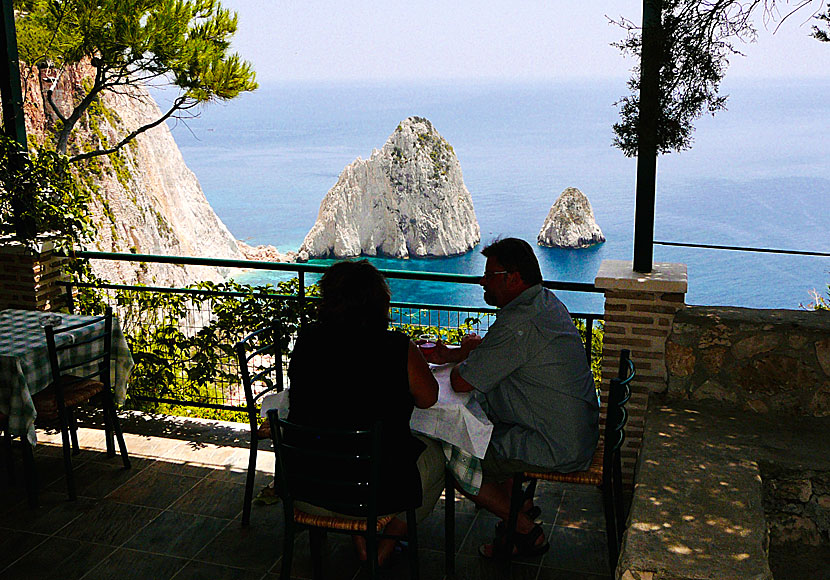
427 342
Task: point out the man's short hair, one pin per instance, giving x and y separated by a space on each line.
516 256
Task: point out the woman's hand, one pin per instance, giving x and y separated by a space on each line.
422 383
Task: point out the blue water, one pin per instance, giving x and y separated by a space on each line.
756 176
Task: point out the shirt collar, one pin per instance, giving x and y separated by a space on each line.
526 297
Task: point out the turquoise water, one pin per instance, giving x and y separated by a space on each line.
757 176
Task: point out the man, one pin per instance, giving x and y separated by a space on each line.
537 388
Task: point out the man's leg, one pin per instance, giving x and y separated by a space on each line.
495 498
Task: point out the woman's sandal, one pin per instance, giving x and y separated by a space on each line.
525 545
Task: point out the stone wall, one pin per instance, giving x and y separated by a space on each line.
758 360
28 278
797 505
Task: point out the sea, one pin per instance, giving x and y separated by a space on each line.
756 176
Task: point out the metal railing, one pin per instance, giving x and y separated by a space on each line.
170 329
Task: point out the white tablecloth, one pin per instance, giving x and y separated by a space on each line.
456 418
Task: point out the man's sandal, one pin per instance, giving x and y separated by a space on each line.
532 514
525 545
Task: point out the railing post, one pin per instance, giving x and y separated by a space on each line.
650 65
589 338
301 301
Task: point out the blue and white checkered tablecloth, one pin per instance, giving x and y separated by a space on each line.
24 363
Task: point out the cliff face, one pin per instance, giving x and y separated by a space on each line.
144 199
570 223
407 199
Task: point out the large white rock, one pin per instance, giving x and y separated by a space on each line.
570 223
407 199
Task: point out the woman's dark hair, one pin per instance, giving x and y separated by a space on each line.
355 294
516 256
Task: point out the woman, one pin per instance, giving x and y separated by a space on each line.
349 371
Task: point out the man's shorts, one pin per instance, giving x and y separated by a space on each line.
498 469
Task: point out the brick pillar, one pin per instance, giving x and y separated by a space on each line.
28 278
639 310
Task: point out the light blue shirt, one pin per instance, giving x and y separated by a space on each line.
536 384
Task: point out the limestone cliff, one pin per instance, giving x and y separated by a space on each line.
144 198
570 223
407 199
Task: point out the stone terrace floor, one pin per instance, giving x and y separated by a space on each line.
177 514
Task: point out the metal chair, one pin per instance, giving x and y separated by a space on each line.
78 381
605 470
349 488
262 350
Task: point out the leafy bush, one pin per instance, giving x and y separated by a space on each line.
39 195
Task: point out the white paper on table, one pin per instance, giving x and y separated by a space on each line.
456 418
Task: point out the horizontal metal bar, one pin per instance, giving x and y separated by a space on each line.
743 249
319 269
192 291
188 291
188 403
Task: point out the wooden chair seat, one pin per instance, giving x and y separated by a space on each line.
591 476
75 392
335 523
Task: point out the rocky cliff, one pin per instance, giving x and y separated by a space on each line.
144 198
570 223
407 199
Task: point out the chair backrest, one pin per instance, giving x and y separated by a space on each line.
87 356
616 413
345 466
260 365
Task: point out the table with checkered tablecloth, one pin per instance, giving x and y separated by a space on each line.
25 369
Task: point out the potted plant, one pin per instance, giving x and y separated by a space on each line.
43 214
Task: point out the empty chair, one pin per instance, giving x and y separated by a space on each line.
80 366
261 351
28 460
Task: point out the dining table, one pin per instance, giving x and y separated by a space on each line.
456 420
24 362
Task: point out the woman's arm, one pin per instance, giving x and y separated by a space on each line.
422 384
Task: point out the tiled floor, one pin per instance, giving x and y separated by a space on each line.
177 514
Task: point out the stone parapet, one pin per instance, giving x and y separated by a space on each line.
758 360
639 310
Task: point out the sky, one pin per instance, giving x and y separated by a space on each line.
462 39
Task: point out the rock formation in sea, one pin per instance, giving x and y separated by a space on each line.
144 199
407 199
570 223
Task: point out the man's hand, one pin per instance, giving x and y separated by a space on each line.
470 342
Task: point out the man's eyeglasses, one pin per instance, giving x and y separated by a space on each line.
489 275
